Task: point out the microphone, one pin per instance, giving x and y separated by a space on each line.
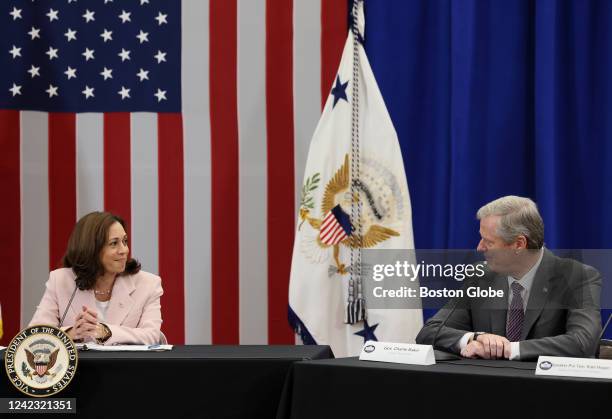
443 355
604 351
68 306
603 330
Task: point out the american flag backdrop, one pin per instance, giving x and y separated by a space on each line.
191 119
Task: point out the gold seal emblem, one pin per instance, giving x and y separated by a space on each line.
41 361
382 211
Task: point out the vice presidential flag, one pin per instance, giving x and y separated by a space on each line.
326 303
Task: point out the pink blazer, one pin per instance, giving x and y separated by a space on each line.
133 314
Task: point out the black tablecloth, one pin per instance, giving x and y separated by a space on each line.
189 381
349 388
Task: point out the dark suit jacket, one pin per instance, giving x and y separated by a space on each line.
562 317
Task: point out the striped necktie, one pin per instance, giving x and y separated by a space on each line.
516 315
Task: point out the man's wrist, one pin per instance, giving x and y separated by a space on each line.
515 351
464 341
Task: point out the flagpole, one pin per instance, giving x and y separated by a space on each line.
356 310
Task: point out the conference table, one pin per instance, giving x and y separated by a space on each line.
349 388
186 382
293 382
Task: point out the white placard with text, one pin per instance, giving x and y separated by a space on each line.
401 353
574 367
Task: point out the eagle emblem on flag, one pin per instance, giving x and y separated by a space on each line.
335 228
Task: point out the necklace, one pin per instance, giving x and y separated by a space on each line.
102 292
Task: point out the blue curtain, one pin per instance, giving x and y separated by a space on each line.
492 98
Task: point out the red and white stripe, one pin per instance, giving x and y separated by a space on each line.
210 194
41 369
332 232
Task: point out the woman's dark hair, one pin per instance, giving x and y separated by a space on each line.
85 245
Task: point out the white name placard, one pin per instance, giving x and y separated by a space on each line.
574 367
401 353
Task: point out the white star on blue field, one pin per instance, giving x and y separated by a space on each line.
94 56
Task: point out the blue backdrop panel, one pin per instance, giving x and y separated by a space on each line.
491 98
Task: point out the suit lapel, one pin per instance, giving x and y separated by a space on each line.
538 293
498 307
121 300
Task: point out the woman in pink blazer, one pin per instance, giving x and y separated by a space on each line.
101 292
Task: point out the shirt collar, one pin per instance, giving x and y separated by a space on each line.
527 279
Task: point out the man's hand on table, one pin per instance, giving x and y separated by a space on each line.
487 346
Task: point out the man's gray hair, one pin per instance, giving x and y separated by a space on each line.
519 217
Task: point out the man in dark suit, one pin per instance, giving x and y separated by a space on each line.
550 305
